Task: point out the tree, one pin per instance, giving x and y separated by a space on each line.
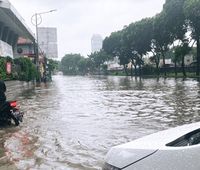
192 14
113 43
124 55
175 19
26 70
99 58
137 37
176 57
176 24
114 46
83 65
161 37
185 49
52 64
70 64
155 59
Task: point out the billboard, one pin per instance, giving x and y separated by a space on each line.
47 40
5 49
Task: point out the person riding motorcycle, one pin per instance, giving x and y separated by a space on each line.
2 91
4 105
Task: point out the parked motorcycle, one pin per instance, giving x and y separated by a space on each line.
9 112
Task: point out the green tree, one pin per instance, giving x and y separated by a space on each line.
161 37
177 26
99 58
114 46
26 70
192 14
70 64
83 66
137 40
175 19
176 57
52 64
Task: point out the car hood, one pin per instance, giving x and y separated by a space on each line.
121 157
124 155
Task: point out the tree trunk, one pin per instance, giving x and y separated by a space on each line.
140 70
163 55
175 68
157 68
198 57
135 66
183 66
132 69
99 70
125 69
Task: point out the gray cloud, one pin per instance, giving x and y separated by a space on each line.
77 20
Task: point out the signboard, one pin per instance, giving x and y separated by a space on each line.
8 67
5 49
48 41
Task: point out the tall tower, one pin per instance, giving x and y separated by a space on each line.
96 43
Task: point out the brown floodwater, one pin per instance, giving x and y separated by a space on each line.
71 123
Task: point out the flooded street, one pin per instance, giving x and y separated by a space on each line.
71 123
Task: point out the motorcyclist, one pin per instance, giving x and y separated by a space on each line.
2 91
4 105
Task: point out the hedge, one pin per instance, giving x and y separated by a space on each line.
22 69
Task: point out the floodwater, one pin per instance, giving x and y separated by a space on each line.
71 123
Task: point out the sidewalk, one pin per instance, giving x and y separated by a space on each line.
14 88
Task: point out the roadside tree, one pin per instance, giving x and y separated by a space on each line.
192 14
70 63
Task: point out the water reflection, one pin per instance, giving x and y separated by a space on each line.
73 121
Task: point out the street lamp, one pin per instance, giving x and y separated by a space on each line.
36 20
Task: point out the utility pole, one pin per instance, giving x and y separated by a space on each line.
36 20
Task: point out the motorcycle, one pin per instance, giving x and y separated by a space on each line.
9 112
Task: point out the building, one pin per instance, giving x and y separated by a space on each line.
113 65
47 40
96 43
24 48
188 59
12 26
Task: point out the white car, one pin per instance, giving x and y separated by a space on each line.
174 149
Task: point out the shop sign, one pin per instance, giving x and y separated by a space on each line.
8 67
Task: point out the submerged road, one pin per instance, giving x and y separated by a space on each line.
71 123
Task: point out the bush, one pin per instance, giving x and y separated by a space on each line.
22 69
3 68
25 70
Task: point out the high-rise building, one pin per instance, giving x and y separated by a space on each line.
47 40
96 43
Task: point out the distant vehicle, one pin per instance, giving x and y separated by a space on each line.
174 149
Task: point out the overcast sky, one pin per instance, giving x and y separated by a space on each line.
78 20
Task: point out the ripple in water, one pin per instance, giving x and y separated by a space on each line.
73 122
